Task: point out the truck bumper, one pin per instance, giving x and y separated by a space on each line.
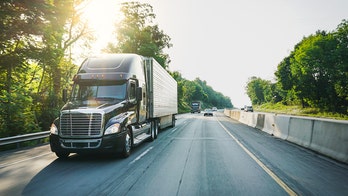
107 144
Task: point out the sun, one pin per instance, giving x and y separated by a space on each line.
102 16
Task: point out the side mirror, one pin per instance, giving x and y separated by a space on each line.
65 95
139 94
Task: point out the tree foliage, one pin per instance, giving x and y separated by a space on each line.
34 39
198 90
259 90
315 74
137 34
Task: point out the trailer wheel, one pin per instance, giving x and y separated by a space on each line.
153 130
156 129
127 144
173 121
62 155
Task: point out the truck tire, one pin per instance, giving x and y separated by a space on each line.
62 155
173 121
156 129
153 130
127 148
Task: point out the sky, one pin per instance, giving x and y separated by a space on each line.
226 42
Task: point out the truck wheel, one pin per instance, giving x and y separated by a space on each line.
153 131
62 155
173 121
156 129
127 144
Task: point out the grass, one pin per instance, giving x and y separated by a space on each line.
298 111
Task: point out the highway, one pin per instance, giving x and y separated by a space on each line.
199 156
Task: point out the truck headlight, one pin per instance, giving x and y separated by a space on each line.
54 129
115 128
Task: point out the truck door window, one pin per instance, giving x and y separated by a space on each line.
132 90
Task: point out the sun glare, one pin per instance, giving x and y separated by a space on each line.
101 16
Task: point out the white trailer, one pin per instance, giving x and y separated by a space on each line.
162 93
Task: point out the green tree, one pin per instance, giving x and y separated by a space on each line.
315 68
259 90
20 28
284 85
136 33
34 40
316 72
341 85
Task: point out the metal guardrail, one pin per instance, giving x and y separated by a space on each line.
23 138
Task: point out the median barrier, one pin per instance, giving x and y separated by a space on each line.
253 121
260 121
235 114
269 123
281 126
330 137
243 118
248 118
227 112
300 131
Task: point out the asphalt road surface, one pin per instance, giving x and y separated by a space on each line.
200 156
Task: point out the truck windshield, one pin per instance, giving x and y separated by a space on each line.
100 94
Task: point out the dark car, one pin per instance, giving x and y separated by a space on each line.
208 112
248 108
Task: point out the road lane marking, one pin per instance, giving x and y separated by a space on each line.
141 155
263 166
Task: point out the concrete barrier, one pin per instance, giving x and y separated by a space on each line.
281 126
331 138
328 137
300 131
248 118
227 112
269 124
260 121
235 115
243 118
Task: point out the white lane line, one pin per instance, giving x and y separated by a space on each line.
263 166
141 155
23 160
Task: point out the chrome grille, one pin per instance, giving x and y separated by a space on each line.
81 124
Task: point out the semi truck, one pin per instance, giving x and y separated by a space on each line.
195 106
117 101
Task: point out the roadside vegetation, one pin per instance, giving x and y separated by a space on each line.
311 81
297 110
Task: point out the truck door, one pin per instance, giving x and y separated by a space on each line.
139 107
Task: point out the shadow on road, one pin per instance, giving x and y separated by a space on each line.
76 175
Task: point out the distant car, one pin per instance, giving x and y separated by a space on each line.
248 108
214 109
208 112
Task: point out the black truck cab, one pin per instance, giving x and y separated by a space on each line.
107 109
